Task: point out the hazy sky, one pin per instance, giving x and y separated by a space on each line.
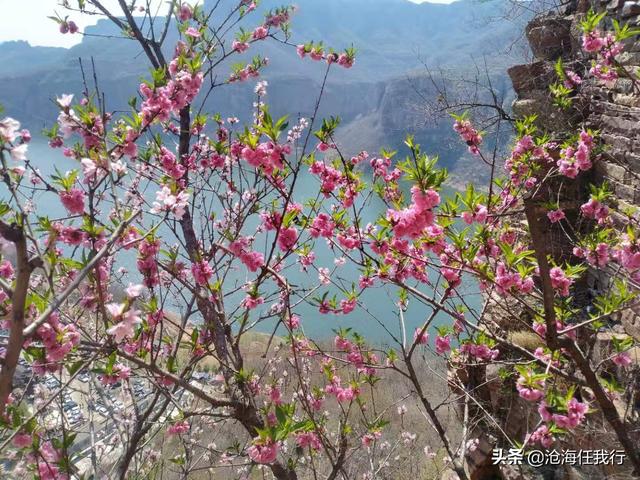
27 20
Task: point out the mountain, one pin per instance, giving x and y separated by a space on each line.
377 98
21 57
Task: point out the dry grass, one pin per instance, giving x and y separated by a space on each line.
408 460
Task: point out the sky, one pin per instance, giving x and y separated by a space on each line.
27 20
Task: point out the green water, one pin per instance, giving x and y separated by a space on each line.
376 316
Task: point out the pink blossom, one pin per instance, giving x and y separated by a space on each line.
9 129
556 215
323 226
530 389
411 221
479 351
572 79
124 321
470 135
275 395
611 49
252 260
543 411
479 214
166 201
543 436
250 302
324 276
6 269
629 253
365 282
19 152
350 239
576 412
276 20
264 452
424 199
345 60
420 337
443 344
260 33
179 91
73 201
185 12
50 471
452 276
134 291
287 238
89 170
202 272
65 100
293 322
541 355
268 155
308 440
307 260
66 337
315 402
22 440
568 169
192 32
342 343
596 210
576 158
119 373
592 42
560 281
345 394
240 47
582 157
369 438
598 256
130 148
622 359
348 305
179 428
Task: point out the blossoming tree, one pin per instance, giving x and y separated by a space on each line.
212 211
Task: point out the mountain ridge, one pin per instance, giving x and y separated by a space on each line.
387 34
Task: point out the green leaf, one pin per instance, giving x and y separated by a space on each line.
74 367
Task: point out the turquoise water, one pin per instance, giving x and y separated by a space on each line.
376 317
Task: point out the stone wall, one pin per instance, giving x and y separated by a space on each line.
615 114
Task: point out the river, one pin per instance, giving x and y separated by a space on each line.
376 317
